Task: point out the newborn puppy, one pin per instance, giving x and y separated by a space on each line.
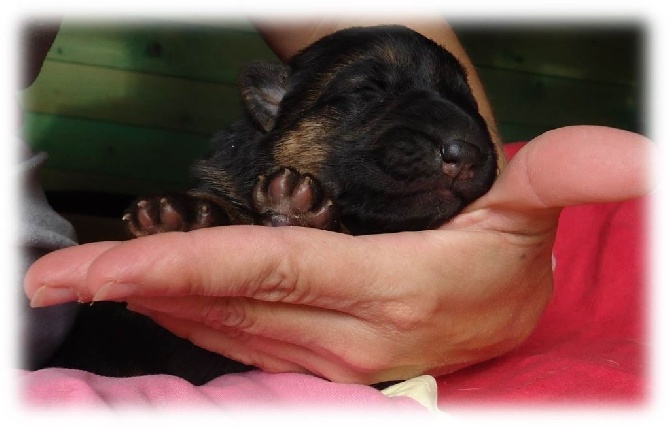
368 130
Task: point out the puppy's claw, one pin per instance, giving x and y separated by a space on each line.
146 217
204 217
323 217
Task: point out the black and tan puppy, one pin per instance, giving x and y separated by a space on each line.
368 130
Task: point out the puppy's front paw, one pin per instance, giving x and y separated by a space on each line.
288 198
170 213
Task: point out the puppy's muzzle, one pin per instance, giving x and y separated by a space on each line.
431 134
460 158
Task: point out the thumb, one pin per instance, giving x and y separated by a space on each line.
573 165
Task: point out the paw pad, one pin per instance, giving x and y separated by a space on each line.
288 198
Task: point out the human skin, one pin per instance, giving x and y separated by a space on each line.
364 309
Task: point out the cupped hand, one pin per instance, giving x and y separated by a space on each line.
364 309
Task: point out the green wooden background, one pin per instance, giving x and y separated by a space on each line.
124 108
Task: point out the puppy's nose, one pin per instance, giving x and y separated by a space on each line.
459 158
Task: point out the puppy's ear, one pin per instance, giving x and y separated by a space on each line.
262 87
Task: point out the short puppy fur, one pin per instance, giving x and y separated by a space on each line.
368 130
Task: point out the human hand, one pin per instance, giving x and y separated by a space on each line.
364 309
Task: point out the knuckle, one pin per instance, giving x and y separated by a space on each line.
284 283
228 313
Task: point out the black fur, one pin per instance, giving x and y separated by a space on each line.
368 130
382 118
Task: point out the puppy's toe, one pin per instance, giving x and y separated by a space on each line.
288 198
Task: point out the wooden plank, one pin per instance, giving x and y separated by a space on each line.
110 150
182 105
517 132
547 101
611 53
58 180
212 53
525 103
132 98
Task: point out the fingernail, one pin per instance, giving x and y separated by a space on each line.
115 291
47 296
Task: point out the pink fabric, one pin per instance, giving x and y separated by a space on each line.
589 345
74 388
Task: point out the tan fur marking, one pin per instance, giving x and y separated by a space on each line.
304 148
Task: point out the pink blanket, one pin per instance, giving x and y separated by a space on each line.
75 388
588 347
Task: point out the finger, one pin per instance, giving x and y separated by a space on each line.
277 355
341 342
386 346
61 275
574 165
236 346
563 167
298 324
290 264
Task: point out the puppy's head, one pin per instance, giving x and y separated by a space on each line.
385 119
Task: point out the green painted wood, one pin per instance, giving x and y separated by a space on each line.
109 151
547 101
203 107
607 53
517 132
542 76
132 98
212 53
55 179
599 53
125 108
